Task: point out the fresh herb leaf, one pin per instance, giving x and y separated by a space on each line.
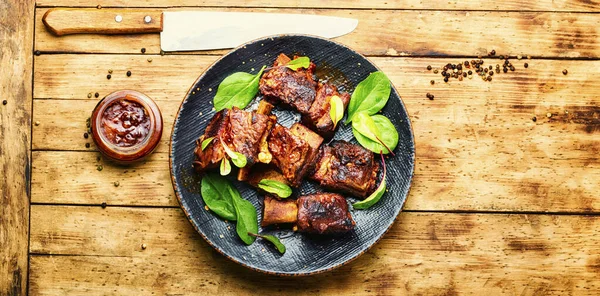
237 158
237 89
336 109
281 189
273 239
247 220
370 95
388 135
301 62
364 124
375 196
216 196
225 167
206 142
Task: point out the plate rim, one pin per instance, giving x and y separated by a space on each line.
218 249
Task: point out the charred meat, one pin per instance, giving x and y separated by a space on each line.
240 130
277 211
294 151
324 213
318 117
295 89
347 168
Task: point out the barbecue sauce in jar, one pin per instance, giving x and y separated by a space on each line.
126 126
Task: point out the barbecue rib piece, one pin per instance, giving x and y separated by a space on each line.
292 88
240 130
318 213
318 117
324 213
275 211
263 156
347 168
294 151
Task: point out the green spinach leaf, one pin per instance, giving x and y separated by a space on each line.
273 239
364 125
388 135
336 109
375 196
281 189
237 89
206 142
225 167
301 62
238 159
216 196
247 220
370 95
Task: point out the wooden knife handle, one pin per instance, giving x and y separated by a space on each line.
65 21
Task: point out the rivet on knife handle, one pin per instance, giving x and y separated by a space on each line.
65 21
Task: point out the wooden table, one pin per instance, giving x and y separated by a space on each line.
500 203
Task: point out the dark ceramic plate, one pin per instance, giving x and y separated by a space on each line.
305 254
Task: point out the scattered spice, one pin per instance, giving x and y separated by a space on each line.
435 71
432 82
534 119
526 65
548 114
512 68
86 135
519 57
128 73
162 53
116 183
37 123
87 145
429 67
108 76
149 60
4 102
37 52
89 95
489 78
103 205
493 52
99 167
565 72
144 246
109 71
99 6
96 95
143 50
445 79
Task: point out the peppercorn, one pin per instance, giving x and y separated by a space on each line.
472 62
128 73
109 71
162 53
96 95
103 205
526 65
432 82
108 76
37 52
99 6
444 73
435 71
565 72
4 102
498 70
460 78
491 68
144 246
455 75
493 52
465 74
428 95
116 183
453 67
143 50
149 60
429 67
477 66
506 62
501 57
89 95
485 70
489 78
86 135
512 68
459 66
534 119
37 123
445 68
491 73
445 79
466 64
87 145
505 69
99 167
470 72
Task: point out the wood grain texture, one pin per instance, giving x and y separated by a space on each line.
477 146
401 33
66 21
549 5
424 253
16 35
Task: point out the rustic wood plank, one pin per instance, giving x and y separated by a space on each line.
424 253
550 5
547 165
87 178
401 33
16 33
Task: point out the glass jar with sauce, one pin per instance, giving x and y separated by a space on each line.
126 126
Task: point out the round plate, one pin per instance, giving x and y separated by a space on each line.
306 254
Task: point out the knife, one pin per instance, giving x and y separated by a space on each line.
194 30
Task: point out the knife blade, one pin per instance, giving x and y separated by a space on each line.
194 30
